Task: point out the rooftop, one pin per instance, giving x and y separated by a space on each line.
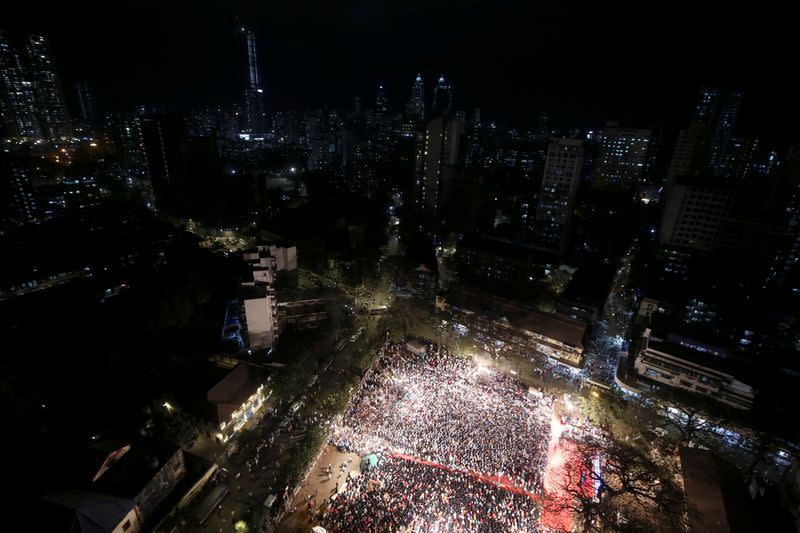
563 329
701 482
134 470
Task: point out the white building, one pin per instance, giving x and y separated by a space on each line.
693 366
259 301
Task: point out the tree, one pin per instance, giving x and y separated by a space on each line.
631 491
609 411
695 418
166 421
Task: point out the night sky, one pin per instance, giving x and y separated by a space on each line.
513 58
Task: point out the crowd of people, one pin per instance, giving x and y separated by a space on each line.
403 495
452 411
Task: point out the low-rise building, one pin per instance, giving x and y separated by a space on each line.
237 397
80 511
691 365
535 332
121 489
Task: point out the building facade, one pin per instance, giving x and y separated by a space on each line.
50 108
622 159
692 366
562 172
532 333
437 161
694 211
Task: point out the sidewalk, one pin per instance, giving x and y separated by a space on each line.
319 487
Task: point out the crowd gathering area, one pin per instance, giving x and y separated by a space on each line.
462 448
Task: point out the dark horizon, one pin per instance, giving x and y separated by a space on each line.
512 60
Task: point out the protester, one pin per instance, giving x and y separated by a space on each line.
400 494
450 410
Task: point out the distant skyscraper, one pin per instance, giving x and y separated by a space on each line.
16 189
690 156
86 106
254 94
475 121
200 122
125 130
722 130
740 158
785 267
417 104
543 129
442 97
318 140
622 157
707 104
50 107
562 172
381 105
17 99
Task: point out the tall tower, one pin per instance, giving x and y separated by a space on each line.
50 100
86 107
438 161
722 132
562 172
442 97
17 100
254 94
418 98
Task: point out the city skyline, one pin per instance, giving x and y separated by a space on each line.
495 59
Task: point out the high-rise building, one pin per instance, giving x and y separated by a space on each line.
381 105
785 268
719 111
162 135
417 104
200 122
543 128
50 108
707 104
380 119
318 140
86 107
562 172
442 97
17 99
16 190
691 151
740 158
125 131
622 157
694 211
723 125
437 162
254 94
